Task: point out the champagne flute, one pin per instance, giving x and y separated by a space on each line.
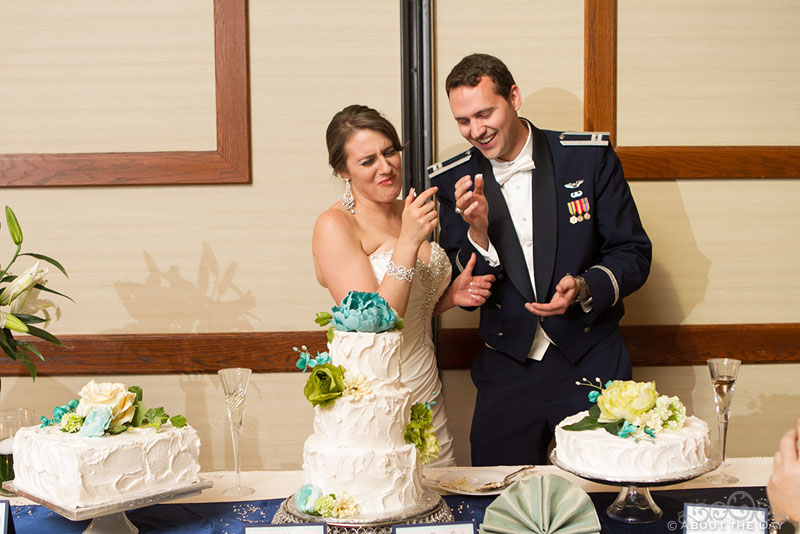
234 383
723 377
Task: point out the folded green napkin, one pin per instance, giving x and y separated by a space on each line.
542 504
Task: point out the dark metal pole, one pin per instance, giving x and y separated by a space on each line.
417 127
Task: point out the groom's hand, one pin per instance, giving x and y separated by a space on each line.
474 208
567 291
468 290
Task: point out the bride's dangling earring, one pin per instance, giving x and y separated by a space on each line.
347 199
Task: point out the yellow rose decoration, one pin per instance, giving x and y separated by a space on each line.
114 395
626 400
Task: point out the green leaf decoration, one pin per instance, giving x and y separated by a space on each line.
136 390
614 428
587 423
48 259
53 291
118 430
330 335
399 324
323 318
30 347
43 334
138 414
178 421
156 417
594 411
29 319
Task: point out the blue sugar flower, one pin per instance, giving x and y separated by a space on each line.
363 312
627 429
593 395
305 497
96 422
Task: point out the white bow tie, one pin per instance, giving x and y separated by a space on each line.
503 171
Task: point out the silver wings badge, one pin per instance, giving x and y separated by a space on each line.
573 185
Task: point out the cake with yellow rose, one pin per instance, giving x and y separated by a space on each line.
631 432
364 456
104 448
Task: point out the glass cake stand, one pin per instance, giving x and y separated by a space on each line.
634 504
431 508
110 518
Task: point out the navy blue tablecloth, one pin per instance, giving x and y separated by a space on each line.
230 518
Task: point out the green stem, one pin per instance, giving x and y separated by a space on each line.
13 259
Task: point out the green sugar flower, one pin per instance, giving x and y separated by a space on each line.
325 384
326 505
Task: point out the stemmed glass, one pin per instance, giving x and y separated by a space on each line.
723 377
234 383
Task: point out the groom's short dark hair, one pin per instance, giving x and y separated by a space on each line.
469 71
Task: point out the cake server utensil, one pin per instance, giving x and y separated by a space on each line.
489 486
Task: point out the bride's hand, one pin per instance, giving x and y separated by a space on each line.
468 290
419 217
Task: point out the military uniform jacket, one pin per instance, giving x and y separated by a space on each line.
585 222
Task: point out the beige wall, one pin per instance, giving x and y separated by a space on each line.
237 258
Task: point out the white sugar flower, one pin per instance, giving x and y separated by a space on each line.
356 386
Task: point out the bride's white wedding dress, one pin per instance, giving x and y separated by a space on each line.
419 369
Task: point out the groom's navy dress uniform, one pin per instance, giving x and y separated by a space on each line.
520 400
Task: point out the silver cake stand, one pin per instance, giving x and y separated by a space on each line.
634 504
430 509
110 518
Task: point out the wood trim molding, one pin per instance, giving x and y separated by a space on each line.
662 162
266 352
229 164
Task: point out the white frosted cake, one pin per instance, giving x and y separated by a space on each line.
358 447
601 453
73 471
104 449
631 433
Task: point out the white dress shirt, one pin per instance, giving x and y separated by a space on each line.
518 194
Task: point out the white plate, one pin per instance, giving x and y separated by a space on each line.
472 478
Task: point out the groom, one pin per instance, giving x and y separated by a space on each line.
551 216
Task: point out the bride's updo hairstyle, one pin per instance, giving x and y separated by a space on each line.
350 120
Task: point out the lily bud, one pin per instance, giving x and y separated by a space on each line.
12 323
22 283
13 226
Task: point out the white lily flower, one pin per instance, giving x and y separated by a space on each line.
23 283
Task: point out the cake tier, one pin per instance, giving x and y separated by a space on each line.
73 471
598 452
376 421
380 481
374 356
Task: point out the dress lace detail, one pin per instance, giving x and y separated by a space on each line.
419 371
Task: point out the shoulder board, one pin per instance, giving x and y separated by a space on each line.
584 138
443 166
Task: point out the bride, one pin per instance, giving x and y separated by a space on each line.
372 241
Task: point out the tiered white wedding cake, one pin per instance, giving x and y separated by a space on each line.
364 457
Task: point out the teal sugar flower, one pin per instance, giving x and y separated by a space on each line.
593 395
363 312
628 429
305 497
96 422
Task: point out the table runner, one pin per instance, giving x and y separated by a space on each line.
231 517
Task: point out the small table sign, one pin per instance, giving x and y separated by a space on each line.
713 519
268 528
459 527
